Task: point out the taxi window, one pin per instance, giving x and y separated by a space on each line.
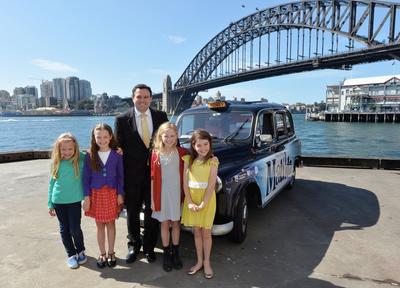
218 124
289 123
265 124
280 126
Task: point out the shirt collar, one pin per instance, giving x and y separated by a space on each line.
138 113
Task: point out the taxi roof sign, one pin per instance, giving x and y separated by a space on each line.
218 105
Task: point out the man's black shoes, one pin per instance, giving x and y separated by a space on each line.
132 255
151 257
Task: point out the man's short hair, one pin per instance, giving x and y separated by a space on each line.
141 86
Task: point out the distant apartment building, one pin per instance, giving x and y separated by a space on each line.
46 92
368 94
25 98
59 91
5 99
72 89
85 89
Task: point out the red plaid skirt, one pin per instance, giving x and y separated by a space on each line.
103 204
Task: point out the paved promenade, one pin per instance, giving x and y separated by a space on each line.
336 228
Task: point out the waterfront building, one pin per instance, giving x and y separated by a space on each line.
25 98
5 99
4 94
85 89
59 89
18 91
370 94
46 93
72 89
31 90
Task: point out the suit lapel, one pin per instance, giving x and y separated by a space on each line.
132 121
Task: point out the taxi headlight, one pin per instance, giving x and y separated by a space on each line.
218 185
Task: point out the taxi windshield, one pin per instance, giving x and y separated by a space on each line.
235 125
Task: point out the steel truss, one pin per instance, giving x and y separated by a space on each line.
294 37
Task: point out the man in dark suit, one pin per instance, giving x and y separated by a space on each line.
133 131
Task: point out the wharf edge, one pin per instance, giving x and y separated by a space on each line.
309 161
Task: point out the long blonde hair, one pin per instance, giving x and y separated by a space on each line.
56 154
158 145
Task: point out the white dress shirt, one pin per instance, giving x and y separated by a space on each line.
139 123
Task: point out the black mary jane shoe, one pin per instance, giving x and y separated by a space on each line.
111 261
101 261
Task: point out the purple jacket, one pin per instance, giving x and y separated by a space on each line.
111 174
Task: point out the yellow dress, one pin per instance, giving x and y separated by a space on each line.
198 179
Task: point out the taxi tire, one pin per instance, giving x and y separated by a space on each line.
239 231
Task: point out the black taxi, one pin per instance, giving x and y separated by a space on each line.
258 151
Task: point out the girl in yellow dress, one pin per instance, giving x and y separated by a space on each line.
200 175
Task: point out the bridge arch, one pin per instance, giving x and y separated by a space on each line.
348 26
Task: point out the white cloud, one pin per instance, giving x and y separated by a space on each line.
53 66
176 39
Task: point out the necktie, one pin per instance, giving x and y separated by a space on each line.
145 130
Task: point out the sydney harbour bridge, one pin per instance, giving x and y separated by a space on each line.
290 38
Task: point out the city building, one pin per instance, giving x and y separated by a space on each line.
72 89
25 98
5 99
46 93
31 90
85 89
370 94
59 91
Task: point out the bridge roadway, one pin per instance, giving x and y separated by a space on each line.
336 228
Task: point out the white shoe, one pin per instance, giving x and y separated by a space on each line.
72 262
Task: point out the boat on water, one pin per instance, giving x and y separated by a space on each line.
11 113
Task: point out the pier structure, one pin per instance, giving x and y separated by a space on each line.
372 117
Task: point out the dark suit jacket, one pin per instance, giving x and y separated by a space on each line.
136 155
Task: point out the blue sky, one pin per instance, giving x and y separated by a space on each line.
117 44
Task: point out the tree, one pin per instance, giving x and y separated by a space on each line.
85 104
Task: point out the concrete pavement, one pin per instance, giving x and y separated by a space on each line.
335 228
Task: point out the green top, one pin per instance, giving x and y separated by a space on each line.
66 188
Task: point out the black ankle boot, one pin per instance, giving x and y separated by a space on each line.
167 261
176 260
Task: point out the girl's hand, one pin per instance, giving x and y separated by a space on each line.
201 206
119 151
52 212
192 207
86 204
120 200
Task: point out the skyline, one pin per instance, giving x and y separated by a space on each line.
118 46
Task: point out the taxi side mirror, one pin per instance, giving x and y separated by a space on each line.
266 138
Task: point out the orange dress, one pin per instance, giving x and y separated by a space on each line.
103 204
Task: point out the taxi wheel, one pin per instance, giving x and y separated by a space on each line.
239 231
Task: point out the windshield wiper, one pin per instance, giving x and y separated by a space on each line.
236 132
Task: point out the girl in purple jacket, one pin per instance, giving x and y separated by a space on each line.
103 187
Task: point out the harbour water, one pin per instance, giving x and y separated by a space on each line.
318 138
